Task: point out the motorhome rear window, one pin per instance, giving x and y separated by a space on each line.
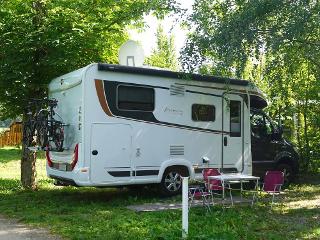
203 113
235 119
135 98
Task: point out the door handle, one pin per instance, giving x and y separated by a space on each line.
94 152
225 141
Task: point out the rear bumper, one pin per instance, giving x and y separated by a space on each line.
64 180
77 177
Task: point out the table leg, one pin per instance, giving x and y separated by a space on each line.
255 192
223 190
241 189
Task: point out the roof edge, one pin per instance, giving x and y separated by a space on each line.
170 74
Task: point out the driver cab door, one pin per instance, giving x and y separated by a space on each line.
264 145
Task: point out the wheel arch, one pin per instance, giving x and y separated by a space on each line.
289 160
177 163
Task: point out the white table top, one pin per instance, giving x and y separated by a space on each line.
233 177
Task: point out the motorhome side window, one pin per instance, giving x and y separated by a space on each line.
135 98
203 113
235 118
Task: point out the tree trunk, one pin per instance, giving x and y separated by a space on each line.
305 130
28 168
28 160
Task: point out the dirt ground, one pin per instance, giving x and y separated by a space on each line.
13 230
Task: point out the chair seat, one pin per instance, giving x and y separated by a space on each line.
200 195
215 188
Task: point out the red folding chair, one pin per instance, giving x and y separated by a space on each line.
273 181
199 193
212 185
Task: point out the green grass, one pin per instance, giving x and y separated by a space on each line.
90 213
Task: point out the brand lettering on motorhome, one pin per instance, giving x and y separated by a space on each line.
173 111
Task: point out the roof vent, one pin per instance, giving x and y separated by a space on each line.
176 90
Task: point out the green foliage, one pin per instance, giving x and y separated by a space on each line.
164 55
90 213
42 39
273 43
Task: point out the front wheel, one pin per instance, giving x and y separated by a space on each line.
42 134
171 183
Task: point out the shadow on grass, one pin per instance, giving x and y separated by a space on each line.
308 178
114 196
9 154
95 213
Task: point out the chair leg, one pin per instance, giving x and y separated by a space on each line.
253 199
190 202
272 200
191 198
212 199
205 202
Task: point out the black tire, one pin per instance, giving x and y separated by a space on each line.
171 183
42 134
58 138
27 134
288 172
42 129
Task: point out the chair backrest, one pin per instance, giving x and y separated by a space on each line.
211 184
271 179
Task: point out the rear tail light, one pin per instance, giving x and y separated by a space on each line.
75 156
50 163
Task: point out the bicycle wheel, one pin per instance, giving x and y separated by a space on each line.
27 133
42 130
42 134
58 137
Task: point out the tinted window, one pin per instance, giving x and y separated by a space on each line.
135 98
235 118
205 113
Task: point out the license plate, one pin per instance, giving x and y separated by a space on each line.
62 167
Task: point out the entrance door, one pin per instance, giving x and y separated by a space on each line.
233 128
110 152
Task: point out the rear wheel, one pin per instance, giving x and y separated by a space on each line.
42 129
288 172
42 134
27 134
171 183
58 137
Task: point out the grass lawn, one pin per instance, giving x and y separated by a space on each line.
89 213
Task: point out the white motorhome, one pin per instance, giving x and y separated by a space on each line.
135 125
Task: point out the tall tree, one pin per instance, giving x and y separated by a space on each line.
164 54
42 39
275 44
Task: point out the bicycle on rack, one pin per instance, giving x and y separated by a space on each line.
40 128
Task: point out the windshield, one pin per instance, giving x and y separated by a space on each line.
261 125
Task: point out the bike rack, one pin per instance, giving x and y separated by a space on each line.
43 124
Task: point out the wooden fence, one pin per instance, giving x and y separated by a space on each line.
13 136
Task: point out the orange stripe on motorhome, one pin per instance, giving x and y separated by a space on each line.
101 97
